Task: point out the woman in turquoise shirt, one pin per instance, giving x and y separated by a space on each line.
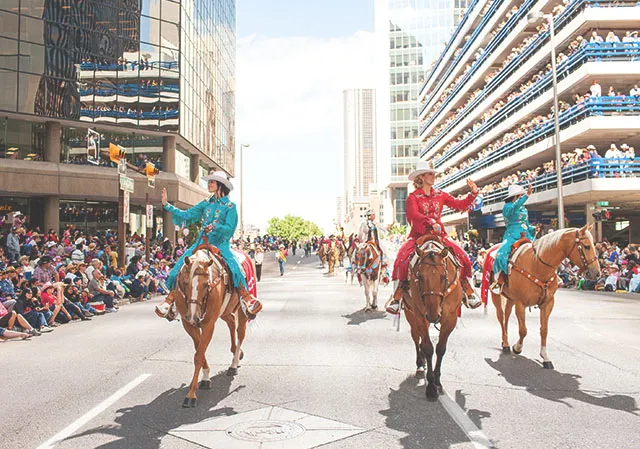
219 220
516 218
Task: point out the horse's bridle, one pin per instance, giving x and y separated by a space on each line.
448 288
203 308
581 252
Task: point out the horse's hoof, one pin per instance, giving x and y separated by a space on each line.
374 307
547 365
420 373
205 384
506 349
232 372
515 351
189 402
432 392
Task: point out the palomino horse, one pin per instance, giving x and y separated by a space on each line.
435 297
333 255
533 281
369 267
204 293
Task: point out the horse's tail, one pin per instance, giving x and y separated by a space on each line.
487 274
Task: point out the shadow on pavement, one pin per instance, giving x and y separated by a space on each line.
474 414
144 426
553 385
360 316
427 424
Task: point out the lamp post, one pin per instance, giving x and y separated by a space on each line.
242 145
534 17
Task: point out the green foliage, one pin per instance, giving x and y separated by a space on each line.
292 228
397 228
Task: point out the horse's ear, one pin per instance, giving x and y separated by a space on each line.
444 252
590 227
584 229
208 264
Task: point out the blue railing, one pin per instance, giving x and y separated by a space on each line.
476 32
595 168
590 52
559 21
132 65
130 90
450 43
132 115
595 106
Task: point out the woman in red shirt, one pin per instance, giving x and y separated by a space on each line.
51 297
424 207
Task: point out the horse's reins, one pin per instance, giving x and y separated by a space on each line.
545 285
448 288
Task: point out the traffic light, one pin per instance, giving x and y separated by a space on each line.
116 153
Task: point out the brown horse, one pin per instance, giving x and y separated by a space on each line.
204 293
322 254
435 297
368 265
533 281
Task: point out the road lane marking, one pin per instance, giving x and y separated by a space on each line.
84 419
477 437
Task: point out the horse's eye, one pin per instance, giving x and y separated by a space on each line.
587 247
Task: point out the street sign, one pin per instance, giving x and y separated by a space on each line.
125 207
149 216
126 183
122 167
603 203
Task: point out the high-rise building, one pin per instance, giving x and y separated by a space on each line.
360 149
411 34
154 76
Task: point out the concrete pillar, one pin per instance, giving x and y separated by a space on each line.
52 144
168 228
52 213
634 230
195 168
169 154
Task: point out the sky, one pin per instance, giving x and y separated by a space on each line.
294 59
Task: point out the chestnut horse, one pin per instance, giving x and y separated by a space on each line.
204 293
333 256
322 254
435 297
533 281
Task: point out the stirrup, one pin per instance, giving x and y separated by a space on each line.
472 301
496 288
393 306
165 310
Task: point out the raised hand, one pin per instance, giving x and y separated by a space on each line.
472 185
530 189
164 196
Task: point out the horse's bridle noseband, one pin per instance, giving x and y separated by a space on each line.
448 288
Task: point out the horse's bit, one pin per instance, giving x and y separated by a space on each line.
448 287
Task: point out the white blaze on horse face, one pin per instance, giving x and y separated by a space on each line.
194 294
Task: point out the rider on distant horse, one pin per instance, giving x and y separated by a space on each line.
516 218
424 207
219 220
368 231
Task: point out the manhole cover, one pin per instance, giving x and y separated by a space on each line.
266 430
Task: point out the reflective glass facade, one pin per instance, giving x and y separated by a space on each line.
417 31
162 65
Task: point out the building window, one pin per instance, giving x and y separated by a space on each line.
183 164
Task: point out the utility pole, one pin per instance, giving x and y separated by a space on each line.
147 240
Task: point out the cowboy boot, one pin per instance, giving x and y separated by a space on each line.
393 307
250 305
470 299
166 309
497 286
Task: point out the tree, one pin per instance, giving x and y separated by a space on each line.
397 228
292 228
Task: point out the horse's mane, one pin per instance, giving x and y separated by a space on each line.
549 242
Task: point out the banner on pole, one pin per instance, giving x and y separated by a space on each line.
93 147
125 208
149 216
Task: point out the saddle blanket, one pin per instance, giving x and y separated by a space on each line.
246 265
487 269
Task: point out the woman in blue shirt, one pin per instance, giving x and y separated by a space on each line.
219 219
516 218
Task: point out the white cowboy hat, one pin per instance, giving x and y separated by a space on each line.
515 190
422 167
219 176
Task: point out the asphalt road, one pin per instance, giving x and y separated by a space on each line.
318 371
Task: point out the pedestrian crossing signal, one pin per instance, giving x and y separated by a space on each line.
151 171
116 153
